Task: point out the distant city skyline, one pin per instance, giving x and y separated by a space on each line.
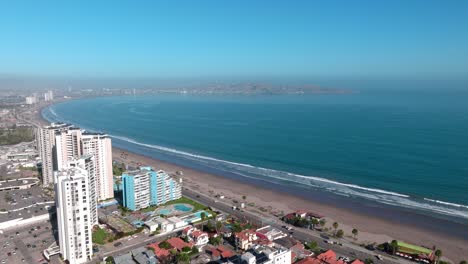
244 40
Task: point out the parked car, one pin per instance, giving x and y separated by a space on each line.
118 244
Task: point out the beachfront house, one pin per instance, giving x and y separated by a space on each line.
245 239
196 236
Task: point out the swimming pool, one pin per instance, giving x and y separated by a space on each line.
165 211
175 209
182 207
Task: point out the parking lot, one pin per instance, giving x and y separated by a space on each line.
25 244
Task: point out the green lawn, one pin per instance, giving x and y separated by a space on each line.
100 236
197 206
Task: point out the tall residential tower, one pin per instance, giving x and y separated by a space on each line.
46 147
100 145
74 214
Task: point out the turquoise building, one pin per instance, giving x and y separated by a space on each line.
145 187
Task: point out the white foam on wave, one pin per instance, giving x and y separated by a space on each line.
351 189
446 203
339 188
354 186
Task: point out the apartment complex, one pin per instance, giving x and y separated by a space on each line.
144 187
100 146
74 214
60 143
67 146
87 163
46 147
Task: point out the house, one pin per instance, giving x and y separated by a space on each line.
178 243
196 236
271 233
220 252
151 225
142 255
327 257
160 253
303 215
165 225
245 238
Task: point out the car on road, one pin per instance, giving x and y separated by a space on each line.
379 257
118 244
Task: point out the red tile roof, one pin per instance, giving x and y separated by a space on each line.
160 253
198 233
357 261
178 243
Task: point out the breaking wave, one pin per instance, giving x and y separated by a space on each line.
303 181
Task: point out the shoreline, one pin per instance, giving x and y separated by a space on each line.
371 228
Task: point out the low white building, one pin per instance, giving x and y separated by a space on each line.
165 225
151 225
249 258
177 222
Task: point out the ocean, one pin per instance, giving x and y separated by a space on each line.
403 145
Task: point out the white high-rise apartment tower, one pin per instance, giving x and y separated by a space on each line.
67 146
100 146
46 147
87 163
73 214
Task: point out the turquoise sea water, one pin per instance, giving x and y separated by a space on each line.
405 146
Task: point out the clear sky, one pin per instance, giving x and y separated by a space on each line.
248 39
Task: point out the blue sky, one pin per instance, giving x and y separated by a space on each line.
245 39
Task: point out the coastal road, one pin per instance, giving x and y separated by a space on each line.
349 250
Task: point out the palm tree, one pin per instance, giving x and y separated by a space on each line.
438 254
335 226
355 232
340 234
203 217
394 246
322 222
314 222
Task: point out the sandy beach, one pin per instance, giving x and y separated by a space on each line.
371 229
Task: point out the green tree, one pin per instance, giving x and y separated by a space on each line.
463 262
182 258
215 240
438 254
165 245
110 260
186 249
311 245
244 197
203 218
322 222
314 222
195 250
210 226
335 226
355 232
368 261
218 225
340 234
